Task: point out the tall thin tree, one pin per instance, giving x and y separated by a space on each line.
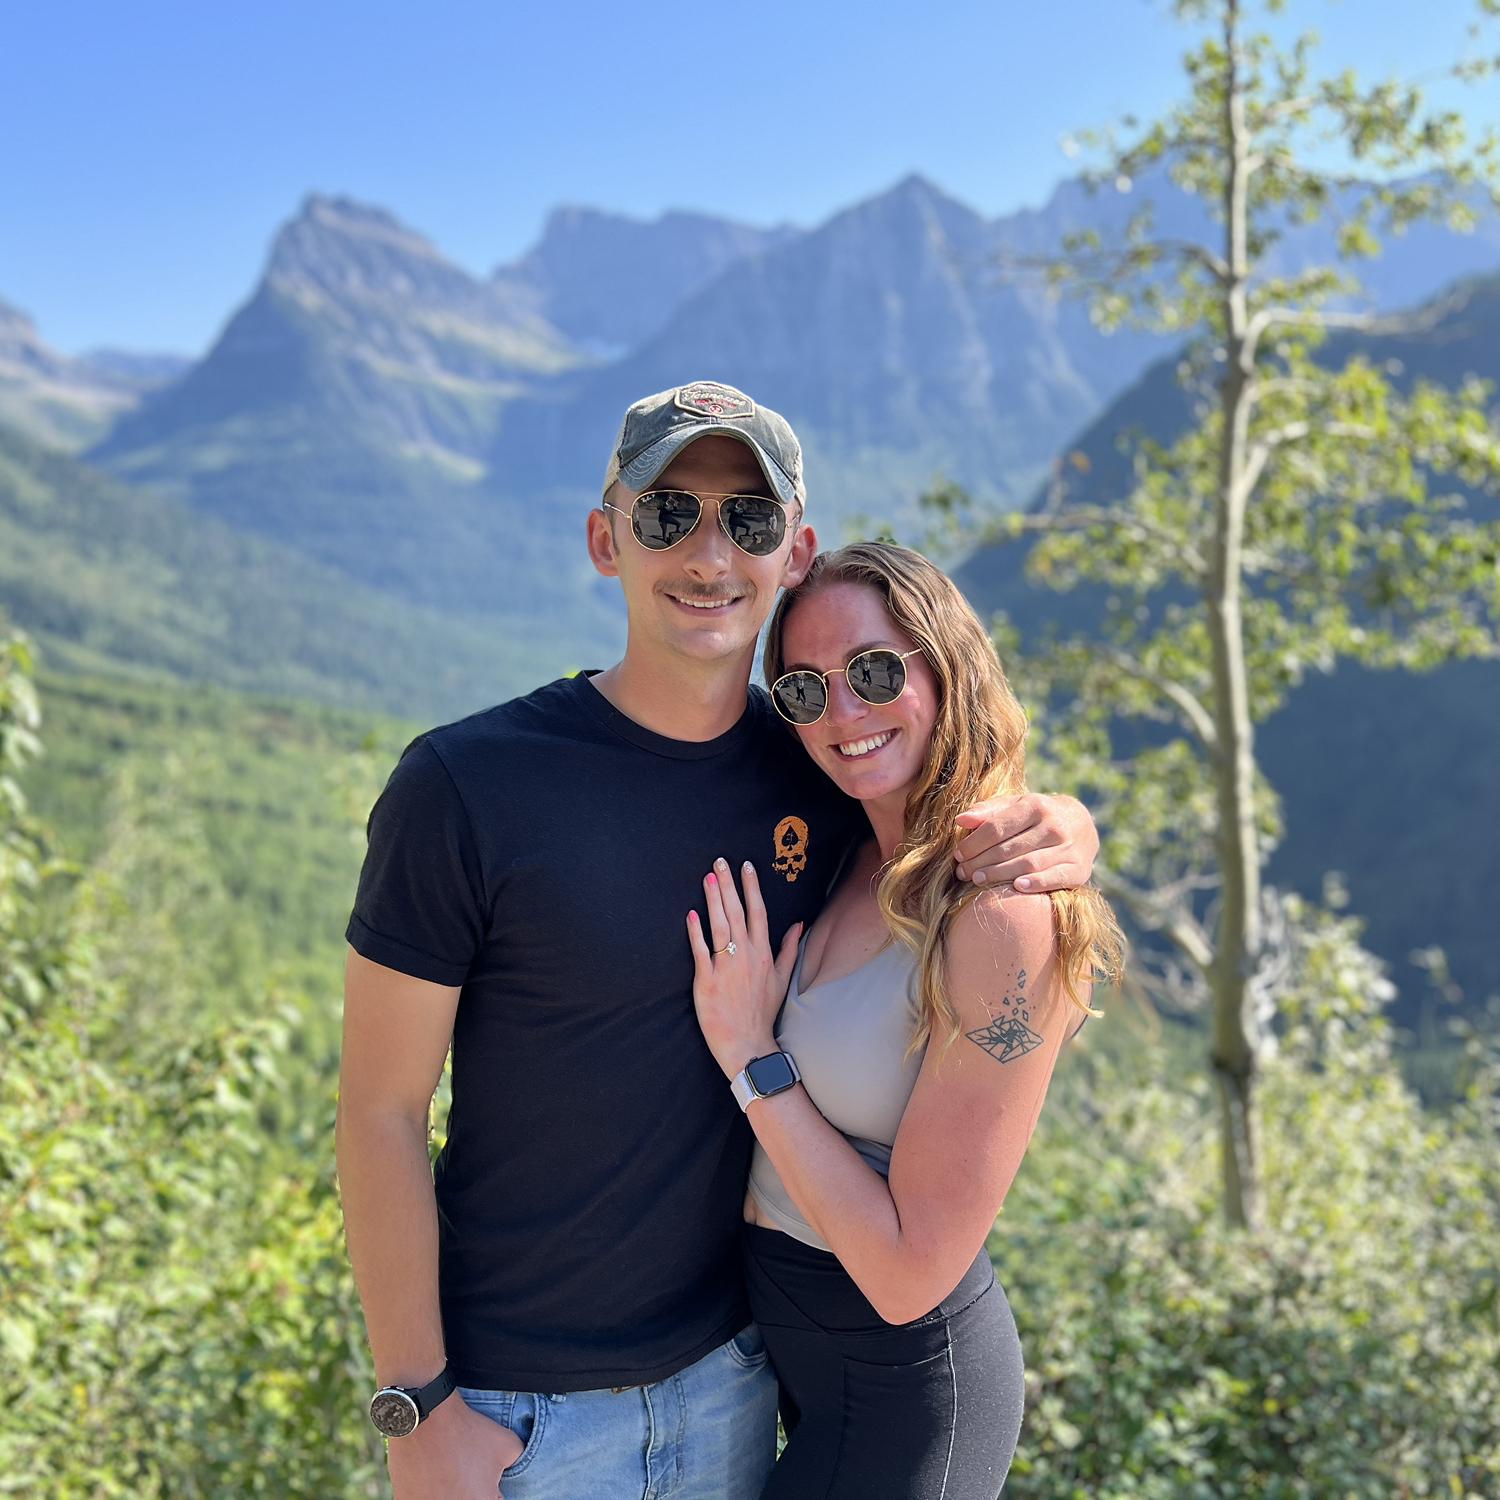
1295 523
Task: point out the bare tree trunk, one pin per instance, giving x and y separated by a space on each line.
1234 1055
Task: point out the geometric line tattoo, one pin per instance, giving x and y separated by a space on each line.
1006 1040
1010 1037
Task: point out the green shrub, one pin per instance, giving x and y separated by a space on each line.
1353 1350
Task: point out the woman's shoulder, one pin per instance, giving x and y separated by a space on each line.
999 933
1004 917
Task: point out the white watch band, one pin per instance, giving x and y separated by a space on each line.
742 1089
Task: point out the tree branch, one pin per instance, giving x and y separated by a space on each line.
1293 317
1255 464
1294 432
1216 265
1274 112
1150 910
1079 517
1199 720
1106 262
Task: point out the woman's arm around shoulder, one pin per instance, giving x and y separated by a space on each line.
976 1103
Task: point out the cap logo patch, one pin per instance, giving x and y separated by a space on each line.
707 398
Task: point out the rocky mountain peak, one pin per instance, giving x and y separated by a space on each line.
340 248
915 187
609 281
22 348
914 206
14 323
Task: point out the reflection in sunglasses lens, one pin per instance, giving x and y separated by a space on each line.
877 676
755 525
664 517
801 697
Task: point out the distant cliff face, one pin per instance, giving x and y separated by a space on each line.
358 329
889 336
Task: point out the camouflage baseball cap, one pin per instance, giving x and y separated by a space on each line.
657 428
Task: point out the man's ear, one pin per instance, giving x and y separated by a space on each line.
601 543
800 558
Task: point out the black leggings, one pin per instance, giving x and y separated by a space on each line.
928 1410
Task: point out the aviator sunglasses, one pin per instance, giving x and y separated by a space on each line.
878 676
662 518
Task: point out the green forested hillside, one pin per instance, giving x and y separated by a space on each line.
222 835
115 579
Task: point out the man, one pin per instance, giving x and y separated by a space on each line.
574 1273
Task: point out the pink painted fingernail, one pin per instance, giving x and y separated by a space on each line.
693 918
1023 883
712 878
978 877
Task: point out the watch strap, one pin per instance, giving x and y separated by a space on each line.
742 1089
432 1395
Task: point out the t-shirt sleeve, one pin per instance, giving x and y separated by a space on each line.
420 903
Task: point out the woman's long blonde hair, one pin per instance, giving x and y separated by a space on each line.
977 750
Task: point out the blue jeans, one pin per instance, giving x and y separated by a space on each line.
705 1433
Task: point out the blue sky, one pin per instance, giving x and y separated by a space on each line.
148 151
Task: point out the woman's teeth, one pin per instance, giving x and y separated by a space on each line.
864 747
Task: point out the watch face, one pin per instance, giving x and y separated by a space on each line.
771 1074
394 1413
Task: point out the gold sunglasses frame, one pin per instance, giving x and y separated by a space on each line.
808 723
702 496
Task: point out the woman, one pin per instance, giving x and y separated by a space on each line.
925 1018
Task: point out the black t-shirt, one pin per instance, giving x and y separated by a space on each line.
544 855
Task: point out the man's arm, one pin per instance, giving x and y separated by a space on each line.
1039 843
396 1035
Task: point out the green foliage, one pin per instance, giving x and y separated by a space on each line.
1349 555
173 1287
1352 1349
230 827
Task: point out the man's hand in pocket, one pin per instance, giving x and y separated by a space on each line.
456 1454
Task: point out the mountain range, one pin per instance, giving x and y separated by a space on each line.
371 488
437 435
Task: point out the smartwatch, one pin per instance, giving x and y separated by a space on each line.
398 1410
761 1077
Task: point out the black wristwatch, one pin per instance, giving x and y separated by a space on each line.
398 1410
763 1076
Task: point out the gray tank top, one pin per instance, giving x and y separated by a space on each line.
849 1037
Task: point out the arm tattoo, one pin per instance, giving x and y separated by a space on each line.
1008 1037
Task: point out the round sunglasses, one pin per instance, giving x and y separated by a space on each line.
878 676
662 518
